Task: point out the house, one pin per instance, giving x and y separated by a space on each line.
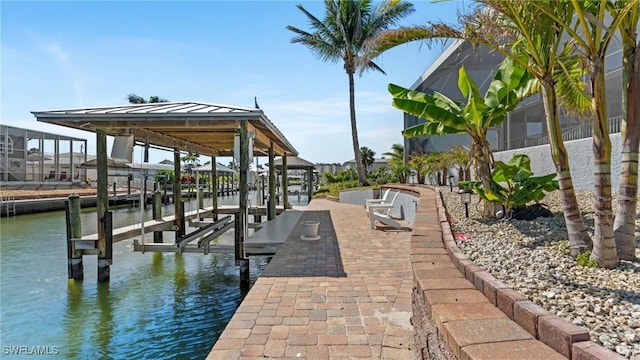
525 126
36 156
377 163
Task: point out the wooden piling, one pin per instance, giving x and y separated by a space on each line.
177 195
285 182
310 185
102 205
74 230
157 215
244 194
214 180
271 209
145 177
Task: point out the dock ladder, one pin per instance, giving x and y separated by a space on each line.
9 205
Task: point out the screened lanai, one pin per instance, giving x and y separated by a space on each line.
30 156
524 126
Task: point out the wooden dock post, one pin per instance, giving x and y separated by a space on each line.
157 215
177 195
242 219
214 185
102 205
271 204
310 185
74 230
285 183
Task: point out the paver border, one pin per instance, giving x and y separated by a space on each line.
567 339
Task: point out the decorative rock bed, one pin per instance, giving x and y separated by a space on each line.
531 257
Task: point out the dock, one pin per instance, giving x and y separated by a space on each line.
265 241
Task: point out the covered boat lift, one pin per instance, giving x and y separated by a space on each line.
283 164
193 127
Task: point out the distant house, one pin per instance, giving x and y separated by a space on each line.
35 156
377 163
333 168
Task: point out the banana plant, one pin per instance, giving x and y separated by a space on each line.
514 184
510 85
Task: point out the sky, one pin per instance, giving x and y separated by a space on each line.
74 54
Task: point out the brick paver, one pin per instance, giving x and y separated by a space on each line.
345 296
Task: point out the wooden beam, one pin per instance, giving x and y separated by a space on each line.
169 142
264 142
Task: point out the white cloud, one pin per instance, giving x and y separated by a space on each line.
58 53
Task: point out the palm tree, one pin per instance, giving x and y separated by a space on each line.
396 162
396 153
420 163
368 157
342 36
592 32
515 28
190 161
624 222
135 99
460 157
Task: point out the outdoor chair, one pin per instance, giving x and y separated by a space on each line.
63 175
381 212
51 176
382 200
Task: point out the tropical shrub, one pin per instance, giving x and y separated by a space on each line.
380 176
514 184
584 259
347 174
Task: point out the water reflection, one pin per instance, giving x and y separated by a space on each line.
74 324
104 326
157 305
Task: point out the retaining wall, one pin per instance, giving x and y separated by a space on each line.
406 203
580 159
457 303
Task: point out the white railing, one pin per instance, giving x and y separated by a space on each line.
585 131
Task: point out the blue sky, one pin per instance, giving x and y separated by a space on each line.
57 55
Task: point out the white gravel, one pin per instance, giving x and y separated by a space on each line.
532 257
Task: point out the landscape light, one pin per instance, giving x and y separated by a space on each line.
465 198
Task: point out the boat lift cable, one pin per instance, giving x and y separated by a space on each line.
142 199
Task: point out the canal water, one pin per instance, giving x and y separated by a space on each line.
156 306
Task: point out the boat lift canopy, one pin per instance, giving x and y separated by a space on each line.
197 127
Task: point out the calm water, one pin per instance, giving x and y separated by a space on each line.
157 305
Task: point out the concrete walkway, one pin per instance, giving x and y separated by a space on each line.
345 296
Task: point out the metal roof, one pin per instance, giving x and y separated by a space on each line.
294 162
204 128
207 168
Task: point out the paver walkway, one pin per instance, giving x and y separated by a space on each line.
345 296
